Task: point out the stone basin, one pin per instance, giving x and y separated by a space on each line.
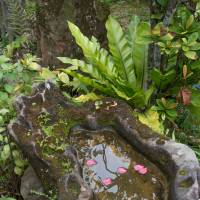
112 152
58 136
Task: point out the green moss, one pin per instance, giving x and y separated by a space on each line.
183 172
67 166
186 183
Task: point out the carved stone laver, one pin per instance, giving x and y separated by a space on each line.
56 163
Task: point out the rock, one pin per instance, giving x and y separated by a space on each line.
43 131
30 182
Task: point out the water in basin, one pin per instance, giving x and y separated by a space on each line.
111 152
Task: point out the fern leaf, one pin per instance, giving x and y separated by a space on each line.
99 58
137 35
87 68
90 82
121 51
16 18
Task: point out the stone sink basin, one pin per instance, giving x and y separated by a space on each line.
59 137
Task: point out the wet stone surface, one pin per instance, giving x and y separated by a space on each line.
53 133
111 152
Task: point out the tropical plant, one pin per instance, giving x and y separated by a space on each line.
122 72
180 48
15 78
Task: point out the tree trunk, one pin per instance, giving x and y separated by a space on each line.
53 35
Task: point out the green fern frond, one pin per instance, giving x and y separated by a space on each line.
121 52
90 82
86 68
99 58
16 18
138 37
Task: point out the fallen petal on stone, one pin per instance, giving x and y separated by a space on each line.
143 171
138 167
107 181
121 170
91 162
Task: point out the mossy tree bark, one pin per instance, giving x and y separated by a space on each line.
53 35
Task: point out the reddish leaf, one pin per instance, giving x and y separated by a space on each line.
186 95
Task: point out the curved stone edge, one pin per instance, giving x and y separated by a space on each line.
40 90
177 160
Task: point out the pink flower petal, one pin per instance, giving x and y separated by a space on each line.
138 167
121 170
143 171
91 162
107 181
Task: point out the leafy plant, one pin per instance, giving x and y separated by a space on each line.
7 198
151 119
167 109
15 78
120 73
180 49
15 18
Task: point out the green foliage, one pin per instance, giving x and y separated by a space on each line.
15 78
16 18
179 45
10 153
151 119
7 198
119 74
167 109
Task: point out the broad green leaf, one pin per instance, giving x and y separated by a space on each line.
4 59
90 82
171 114
9 88
18 170
47 74
87 68
19 162
195 65
4 111
189 21
191 55
167 37
5 153
137 37
3 96
195 98
2 129
34 66
121 51
63 77
195 47
162 80
156 76
193 37
94 55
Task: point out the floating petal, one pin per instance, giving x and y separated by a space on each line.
107 181
143 171
121 170
138 167
91 162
